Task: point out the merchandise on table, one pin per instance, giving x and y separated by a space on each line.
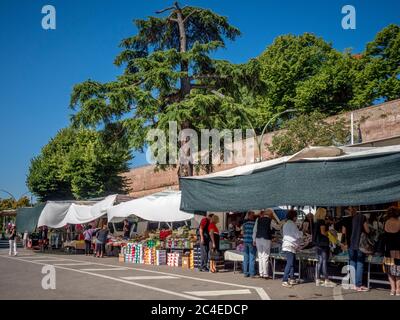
196 257
174 259
149 256
161 257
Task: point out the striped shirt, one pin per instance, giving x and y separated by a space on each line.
248 228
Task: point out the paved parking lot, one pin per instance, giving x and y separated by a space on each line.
84 277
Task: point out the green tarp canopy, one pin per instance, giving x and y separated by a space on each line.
315 176
27 218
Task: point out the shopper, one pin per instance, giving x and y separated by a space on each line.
262 237
347 226
391 242
101 241
88 237
25 239
307 227
204 241
357 257
54 238
291 240
13 241
214 243
249 268
321 241
126 229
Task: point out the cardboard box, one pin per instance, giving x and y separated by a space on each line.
185 263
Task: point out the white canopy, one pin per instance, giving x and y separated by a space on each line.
58 214
160 207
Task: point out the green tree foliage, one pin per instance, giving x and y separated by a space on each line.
8 204
305 73
80 163
306 131
376 74
169 75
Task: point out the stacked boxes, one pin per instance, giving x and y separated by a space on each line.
161 257
174 259
191 259
133 253
196 254
149 256
138 258
186 261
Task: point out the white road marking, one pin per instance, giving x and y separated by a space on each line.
72 264
116 279
217 293
149 278
260 291
105 269
44 260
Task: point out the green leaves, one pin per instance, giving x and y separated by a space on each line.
306 131
9 204
80 163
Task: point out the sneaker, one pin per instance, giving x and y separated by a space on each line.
293 282
319 283
392 293
15 254
329 284
287 285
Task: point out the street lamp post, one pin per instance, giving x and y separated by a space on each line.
12 196
259 141
261 138
9 193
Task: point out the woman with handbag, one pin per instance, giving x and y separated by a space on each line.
391 242
214 243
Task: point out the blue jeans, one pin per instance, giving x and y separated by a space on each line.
289 268
357 259
249 263
322 265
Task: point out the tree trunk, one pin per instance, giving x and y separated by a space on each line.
185 170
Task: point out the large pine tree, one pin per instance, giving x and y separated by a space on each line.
169 75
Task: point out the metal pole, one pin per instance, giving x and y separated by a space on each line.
352 127
261 138
5 191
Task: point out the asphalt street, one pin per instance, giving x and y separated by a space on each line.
87 277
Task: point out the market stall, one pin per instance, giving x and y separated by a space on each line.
160 207
321 176
60 213
171 247
344 176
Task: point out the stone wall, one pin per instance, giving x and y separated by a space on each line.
374 123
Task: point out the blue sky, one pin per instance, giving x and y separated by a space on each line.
38 68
